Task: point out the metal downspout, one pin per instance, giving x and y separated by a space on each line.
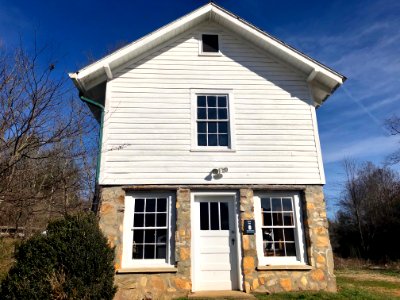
101 107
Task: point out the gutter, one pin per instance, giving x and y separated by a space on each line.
101 107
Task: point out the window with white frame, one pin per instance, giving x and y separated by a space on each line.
148 237
212 121
279 233
209 43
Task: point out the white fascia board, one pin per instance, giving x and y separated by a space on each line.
123 54
272 42
76 81
96 72
312 75
108 71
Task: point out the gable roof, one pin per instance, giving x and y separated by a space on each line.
322 79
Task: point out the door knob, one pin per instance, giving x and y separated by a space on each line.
233 242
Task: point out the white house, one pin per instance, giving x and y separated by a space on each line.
210 170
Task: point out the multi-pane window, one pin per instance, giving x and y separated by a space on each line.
279 232
212 120
278 226
148 237
150 228
214 216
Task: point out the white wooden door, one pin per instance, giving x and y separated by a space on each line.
215 241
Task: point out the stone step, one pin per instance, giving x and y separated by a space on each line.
220 295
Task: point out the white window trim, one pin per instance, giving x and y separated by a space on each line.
127 260
200 39
299 236
231 104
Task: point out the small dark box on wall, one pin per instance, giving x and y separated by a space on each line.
249 227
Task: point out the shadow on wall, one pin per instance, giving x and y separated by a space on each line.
266 67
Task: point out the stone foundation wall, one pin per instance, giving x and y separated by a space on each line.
148 285
319 251
178 283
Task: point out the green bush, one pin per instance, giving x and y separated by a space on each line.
71 261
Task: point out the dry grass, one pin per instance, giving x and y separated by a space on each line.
371 275
360 264
7 246
378 284
358 282
57 280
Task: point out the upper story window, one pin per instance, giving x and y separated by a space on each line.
212 120
148 231
210 43
279 233
213 127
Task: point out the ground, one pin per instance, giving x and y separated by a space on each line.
353 283
6 255
362 284
355 280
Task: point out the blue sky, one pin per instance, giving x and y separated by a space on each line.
360 39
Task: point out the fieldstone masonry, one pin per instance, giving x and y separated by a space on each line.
177 283
148 285
319 251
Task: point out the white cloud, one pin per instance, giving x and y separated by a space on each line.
367 51
375 146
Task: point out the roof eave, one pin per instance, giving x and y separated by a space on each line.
98 71
273 41
77 82
114 59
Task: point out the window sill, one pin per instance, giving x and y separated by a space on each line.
147 270
210 54
212 150
285 267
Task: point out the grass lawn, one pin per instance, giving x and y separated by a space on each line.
353 284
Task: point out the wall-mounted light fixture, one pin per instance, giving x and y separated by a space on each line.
218 173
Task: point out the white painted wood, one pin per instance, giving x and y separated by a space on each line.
271 180
129 205
215 253
94 74
318 145
200 41
312 75
301 258
108 71
231 110
105 135
149 125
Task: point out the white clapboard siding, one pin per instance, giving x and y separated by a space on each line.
273 157
147 124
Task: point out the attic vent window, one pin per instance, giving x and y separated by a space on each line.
210 43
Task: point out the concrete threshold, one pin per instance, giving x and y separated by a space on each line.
220 295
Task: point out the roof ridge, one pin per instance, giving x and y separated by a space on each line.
101 69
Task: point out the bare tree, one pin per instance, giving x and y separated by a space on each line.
368 219
352 198
393 125
43 141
